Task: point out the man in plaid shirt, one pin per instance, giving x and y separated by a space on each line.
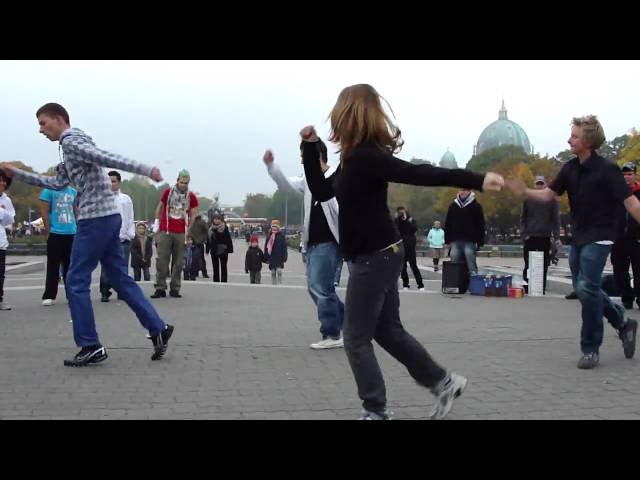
97 238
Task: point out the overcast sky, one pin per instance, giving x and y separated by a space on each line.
216 118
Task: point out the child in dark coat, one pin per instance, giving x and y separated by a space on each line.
253 260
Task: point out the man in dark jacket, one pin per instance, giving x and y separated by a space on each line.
407 228
537 222
464 229
626 249
198 233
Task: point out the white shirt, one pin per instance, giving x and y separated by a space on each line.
6 219
125 207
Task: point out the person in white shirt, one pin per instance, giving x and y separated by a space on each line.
127 230
7 213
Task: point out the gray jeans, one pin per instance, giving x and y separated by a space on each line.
255 276
170 245
372 311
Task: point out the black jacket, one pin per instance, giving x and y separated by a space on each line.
138 259
253 260
279 254
628 228
465 224
216 238
407 229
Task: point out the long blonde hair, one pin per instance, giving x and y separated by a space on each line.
358 117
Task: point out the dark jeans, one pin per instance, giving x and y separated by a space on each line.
105 286
219 266
321 262
537 244
255 276
58 253
410 256
137 271
3 266
372 311
626 252
586 263
197 261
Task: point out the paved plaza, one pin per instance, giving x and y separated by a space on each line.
241 351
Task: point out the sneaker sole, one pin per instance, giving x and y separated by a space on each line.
162 349
312 347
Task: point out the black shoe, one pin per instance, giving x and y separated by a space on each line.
104 299
174 294
589 361
87 355
572 296
628 305
159 294
628 336
204 275
160 342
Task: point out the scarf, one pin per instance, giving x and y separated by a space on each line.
466 202
272 239
177 205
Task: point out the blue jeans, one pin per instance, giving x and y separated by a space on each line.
98 240
461 251
339 264
587 263
321 261
105 287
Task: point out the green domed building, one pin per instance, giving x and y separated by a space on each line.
503 132
448 160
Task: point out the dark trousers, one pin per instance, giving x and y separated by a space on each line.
626 252
537 244
137 271
410 257
219 267
58 253
3 266
255 276
372 311
197 261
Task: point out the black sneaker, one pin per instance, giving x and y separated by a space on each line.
87 355
160 342
159 294
104 299
572 296
174 294
628 305
204 275
628 336
589 361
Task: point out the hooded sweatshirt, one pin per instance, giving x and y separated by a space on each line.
465 221
83 167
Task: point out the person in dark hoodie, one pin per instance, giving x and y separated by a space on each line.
538 221
220 245
275 252
253 260
626 249
199 235
408 228
464 229
98 235
141 253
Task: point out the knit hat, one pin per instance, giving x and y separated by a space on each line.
254 238
275 223
184 173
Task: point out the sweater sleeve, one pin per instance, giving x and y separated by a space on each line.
92 154
392 169
321 187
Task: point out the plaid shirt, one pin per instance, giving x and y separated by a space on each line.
82 168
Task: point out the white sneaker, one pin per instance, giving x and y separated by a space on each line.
405 288
453 387
48 302
328 343
421 289
4 306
